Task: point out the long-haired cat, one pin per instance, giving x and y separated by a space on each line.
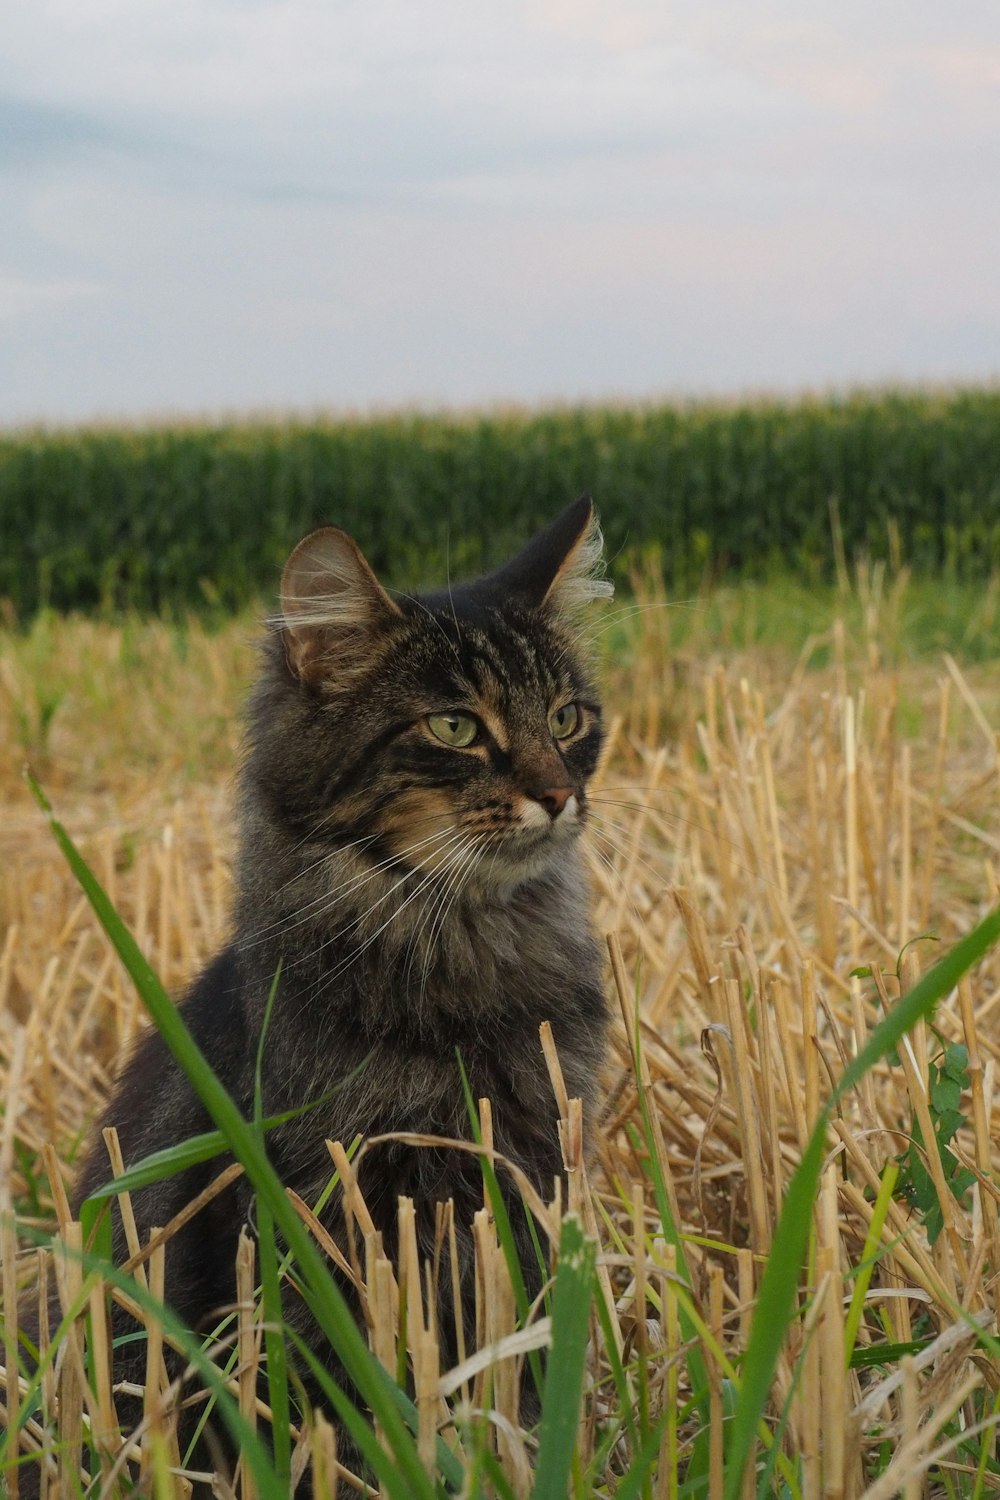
411 800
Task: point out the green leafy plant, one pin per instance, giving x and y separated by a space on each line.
948 1079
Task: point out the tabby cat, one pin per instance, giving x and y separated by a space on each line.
410 805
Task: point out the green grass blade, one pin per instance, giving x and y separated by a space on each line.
160 1164
986 1448
274 1340
696 1368
386 1469
331 1311
869 1257
249 1443
571 1300
502 1487
781 1276
641 1466
198 1148
270 1279
625 1395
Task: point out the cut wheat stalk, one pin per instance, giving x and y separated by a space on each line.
778 824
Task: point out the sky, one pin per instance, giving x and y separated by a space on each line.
215 207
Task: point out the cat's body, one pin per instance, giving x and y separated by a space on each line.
420 895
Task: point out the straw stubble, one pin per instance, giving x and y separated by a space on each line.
760 829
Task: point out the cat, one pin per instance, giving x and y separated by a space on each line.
409 807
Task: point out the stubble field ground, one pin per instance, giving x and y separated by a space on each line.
798 784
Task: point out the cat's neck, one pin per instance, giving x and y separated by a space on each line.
346 920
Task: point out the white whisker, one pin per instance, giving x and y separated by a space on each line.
432 904
618 616
333 897
353 957
629 856
356 923
462 870
440 908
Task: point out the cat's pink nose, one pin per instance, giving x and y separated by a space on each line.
554 799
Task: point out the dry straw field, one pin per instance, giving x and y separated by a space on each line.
773 816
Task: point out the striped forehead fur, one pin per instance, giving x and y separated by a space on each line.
327 583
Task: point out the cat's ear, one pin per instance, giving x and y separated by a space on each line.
329 597
562 567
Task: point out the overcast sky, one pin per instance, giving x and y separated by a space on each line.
235 205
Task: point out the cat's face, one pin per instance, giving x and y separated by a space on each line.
498 738
455 732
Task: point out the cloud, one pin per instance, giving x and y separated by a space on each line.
362 98
22 295
224 202
35 134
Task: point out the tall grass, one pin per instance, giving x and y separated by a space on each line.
776 1277
407 1463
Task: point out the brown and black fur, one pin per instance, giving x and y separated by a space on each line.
413 915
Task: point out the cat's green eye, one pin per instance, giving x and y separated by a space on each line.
456 730
564 721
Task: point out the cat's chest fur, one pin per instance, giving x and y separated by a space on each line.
403 1010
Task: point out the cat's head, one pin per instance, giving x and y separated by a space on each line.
452 731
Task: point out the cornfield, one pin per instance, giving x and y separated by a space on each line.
173 518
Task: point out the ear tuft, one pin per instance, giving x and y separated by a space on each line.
581 578
561 568
330 601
